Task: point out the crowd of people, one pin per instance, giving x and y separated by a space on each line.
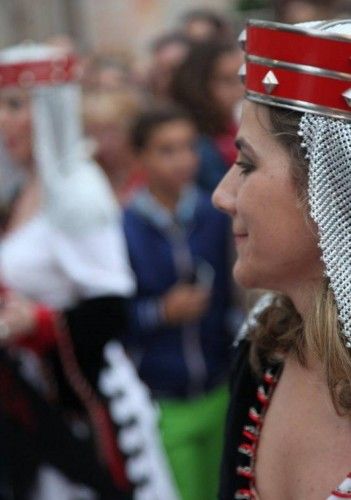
119 317
118 311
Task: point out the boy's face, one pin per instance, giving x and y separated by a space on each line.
170 156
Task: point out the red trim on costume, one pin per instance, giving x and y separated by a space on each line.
252 432
245 472
43 337
251 436
247 449
243 494
99 417
254 416
268 378
340 494
262 396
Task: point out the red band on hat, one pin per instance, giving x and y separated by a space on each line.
300 69
49 72
300 48
319 90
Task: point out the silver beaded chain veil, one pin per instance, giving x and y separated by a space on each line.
328 145
328 148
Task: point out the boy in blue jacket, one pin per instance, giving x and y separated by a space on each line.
179 250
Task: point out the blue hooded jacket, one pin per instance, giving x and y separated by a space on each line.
190 359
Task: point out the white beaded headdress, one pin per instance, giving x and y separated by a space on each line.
295 82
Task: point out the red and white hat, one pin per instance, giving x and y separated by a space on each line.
29 65
298 67
75 193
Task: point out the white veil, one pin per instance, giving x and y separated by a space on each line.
80 210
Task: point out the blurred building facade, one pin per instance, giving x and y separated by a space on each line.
95 24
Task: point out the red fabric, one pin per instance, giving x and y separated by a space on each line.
14 400
45 72
137 179
43 337
340 494
226 146
308 88
108 445
99 417
285 44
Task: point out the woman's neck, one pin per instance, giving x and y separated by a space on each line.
303 295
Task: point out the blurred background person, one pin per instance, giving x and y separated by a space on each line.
107 116
298 11
106 71
180 319
113 37
42 257
66 279
168 51
207 85
204 24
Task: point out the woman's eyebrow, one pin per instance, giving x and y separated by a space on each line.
244 146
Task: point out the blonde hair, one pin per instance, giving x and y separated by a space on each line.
280 329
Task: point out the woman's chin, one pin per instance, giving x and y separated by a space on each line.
244 275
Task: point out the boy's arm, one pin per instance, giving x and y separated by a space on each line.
181 304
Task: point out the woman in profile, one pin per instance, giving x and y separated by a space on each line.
289 196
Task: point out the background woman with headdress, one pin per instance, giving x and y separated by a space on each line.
63 247
289 195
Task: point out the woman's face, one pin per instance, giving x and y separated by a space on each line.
275 240
225 86
16 124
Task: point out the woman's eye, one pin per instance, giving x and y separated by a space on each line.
245 167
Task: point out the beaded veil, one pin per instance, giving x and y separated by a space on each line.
328 143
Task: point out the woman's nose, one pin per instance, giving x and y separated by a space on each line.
224 196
